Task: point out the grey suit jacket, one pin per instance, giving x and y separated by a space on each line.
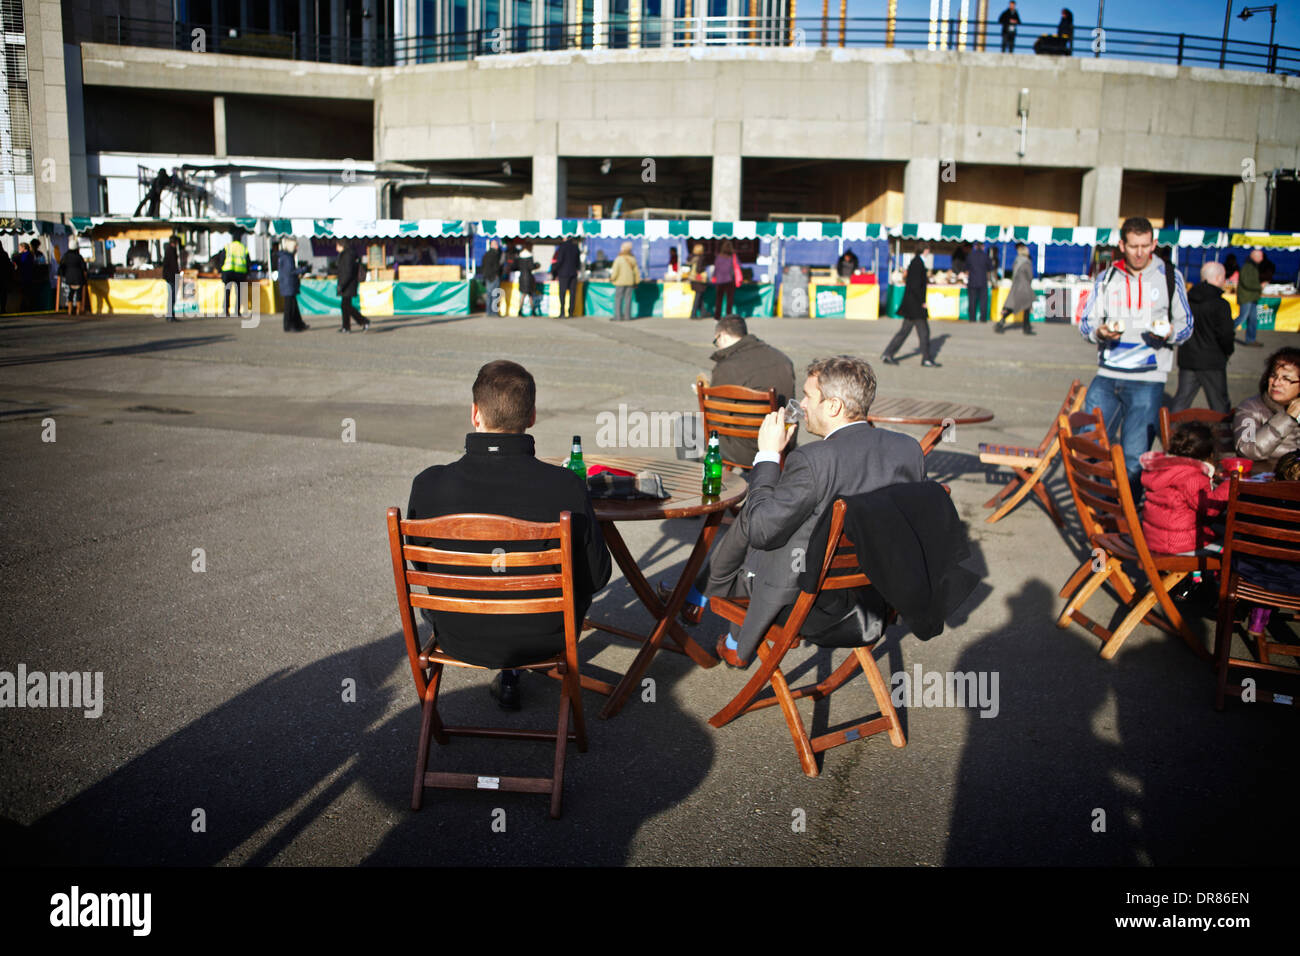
783 508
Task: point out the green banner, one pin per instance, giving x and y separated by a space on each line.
431 298
319 297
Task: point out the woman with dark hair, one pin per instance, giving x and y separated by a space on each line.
1267 425
726 276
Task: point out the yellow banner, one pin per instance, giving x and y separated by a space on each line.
1272 242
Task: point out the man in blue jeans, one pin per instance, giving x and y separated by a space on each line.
1135 316
1249 289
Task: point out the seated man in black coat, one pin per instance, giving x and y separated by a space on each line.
500 475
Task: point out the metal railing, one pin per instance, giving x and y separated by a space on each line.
621 32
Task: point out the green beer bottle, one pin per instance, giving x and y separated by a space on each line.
575 463
713 468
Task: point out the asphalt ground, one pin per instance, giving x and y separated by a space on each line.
261 711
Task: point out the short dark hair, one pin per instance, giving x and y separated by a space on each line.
1287 467
506 396
1283 356
1135 224
850 379
732 325
1192 440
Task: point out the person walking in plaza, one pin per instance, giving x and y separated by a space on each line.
1249 288
234 271
491 268
349 270
625 276
530 298
914 313
726 277
72 270
697 272
1009 19
288 270
1134 315
171 271
1203 361
564 272
977 283
6 279
1020 298
26 264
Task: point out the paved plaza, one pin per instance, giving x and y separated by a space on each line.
261 711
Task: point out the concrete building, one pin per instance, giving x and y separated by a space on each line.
740 131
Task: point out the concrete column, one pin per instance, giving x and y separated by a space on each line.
219 126
548 186
338 41
725 199
1249 205
921 190
1099 199
80 181
48 109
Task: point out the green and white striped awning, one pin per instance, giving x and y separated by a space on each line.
44 227
675 228
1052 235
369 228
83 223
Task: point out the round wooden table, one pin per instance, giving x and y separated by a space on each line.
682 480
916 411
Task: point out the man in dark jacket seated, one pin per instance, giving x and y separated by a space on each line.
500 475
746 360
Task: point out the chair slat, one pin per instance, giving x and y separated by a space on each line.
485 582
488 605
477 527
476 559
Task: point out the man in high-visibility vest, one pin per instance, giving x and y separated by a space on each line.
234 269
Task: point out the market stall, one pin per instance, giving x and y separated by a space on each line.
399 280
655 244
1279 306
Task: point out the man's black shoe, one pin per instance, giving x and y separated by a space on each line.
1028 330
930 363
999 327
889 360
505 688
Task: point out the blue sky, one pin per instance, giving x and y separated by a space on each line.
1200 17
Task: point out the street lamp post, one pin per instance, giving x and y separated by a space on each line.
1249 12
1223 49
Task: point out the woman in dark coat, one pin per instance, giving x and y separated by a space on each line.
6 279
286 265
528 291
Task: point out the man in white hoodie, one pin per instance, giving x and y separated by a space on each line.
1136 314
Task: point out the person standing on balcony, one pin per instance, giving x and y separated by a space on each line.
1065 30
1009 19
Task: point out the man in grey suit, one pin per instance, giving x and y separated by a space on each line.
763 553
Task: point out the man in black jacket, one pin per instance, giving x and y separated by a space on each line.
171 269
349 269
564 272
914 312
1203 360
500 475
746 360
1009 19
490 268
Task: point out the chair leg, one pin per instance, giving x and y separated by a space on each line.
1025 488
561 741
574 692
1006 490
1077 578
1081 597
1143 607
422 755
807 758
878 687
768 661
1223 648
1049 504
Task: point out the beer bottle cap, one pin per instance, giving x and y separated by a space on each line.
577 439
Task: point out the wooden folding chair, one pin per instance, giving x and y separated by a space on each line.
839 570
1030 465
1263 523
1220 423
736 411
1099 482
517 596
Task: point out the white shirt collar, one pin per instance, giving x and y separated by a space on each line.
845 425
